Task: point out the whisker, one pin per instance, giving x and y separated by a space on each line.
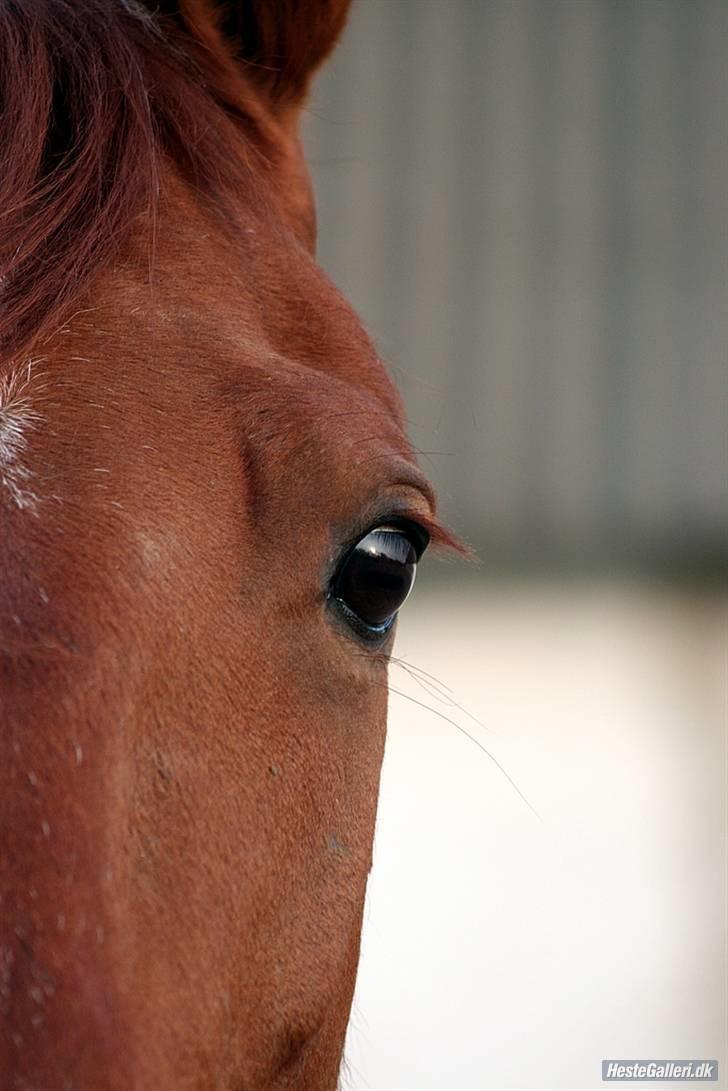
423 673
435 688
427 683
468 735
368 412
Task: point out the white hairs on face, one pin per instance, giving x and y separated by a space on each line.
17 419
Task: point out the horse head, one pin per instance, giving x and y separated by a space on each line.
210 515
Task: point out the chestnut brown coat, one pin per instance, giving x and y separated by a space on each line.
193 429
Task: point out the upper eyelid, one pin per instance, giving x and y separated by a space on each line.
409 479
443 538
438 533
404 522
371 521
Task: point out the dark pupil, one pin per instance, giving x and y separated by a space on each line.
378 575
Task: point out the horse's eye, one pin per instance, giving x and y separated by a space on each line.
376 577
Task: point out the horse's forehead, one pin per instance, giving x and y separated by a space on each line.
169 407
257 325
218 305
241 369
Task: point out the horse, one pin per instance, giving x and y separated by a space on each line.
210 516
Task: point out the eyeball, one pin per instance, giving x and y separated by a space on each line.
376 577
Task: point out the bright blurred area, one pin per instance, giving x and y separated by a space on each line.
526 202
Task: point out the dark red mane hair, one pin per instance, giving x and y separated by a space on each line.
91 96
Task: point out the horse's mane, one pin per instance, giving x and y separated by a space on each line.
92 96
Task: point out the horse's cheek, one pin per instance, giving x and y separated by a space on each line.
256 823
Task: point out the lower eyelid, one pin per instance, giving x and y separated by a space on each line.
370 633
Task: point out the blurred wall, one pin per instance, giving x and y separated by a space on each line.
526 202
501 951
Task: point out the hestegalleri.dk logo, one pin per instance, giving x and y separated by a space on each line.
659 1070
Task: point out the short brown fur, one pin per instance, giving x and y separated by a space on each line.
193 425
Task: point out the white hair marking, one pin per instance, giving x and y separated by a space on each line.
17 418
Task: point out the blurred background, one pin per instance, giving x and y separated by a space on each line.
525 200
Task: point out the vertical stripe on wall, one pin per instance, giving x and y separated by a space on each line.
526 202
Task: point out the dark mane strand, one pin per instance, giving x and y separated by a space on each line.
92 96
